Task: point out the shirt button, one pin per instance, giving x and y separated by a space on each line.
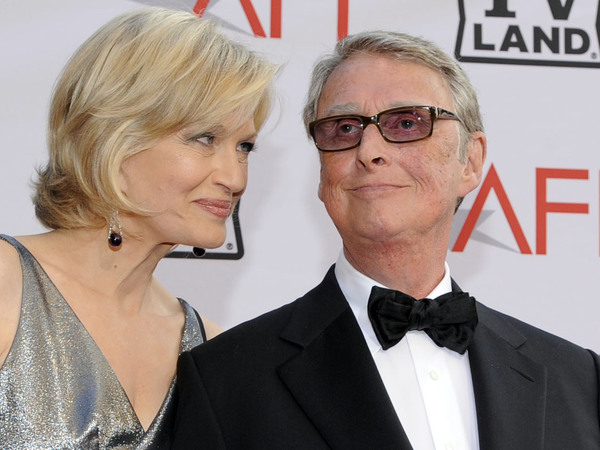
434 375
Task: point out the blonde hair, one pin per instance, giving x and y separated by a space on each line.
141 77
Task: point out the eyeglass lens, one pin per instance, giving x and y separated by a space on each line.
400 125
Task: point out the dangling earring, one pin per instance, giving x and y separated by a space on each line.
115 233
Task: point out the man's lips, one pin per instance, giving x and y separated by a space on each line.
374 188
219 208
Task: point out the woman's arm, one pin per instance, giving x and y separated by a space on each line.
10 296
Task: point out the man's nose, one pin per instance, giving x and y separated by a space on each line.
373 148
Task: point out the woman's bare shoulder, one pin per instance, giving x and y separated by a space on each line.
10 269
10 296
211 329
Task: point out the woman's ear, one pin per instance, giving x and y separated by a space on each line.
122 179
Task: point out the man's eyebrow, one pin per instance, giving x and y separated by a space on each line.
349 108
353 108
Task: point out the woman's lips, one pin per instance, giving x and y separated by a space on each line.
219 208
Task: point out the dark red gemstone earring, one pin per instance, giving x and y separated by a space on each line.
115 233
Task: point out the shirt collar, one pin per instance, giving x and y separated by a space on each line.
356 287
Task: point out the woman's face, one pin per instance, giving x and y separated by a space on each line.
191 182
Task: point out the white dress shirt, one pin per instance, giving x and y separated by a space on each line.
430 386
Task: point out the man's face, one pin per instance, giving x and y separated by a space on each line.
386 192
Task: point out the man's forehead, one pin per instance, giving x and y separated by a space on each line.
355 108
360 85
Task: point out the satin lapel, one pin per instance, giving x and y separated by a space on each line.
509 387
333 377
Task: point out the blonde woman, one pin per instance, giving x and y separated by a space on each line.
150 128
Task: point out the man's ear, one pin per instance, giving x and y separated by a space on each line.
473 170
320 191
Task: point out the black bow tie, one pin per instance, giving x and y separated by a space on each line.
449 320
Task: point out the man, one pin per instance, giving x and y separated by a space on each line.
353 366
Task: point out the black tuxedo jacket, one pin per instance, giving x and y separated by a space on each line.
302 377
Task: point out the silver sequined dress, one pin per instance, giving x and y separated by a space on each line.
57 390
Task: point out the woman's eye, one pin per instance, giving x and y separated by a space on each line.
206 139
246 147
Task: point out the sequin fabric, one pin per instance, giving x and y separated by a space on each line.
57 390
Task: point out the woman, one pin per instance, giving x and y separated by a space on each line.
150 128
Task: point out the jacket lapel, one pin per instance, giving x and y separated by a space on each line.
333 376
506 381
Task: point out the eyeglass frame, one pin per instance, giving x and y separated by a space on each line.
435 113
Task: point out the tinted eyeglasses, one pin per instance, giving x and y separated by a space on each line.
405 124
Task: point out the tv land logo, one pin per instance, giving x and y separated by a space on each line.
532 32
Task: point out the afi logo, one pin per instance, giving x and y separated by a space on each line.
543 208
275 16
536 32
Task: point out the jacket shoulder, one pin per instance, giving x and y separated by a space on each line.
533 340
266 334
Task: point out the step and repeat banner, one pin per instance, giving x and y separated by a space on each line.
527 242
